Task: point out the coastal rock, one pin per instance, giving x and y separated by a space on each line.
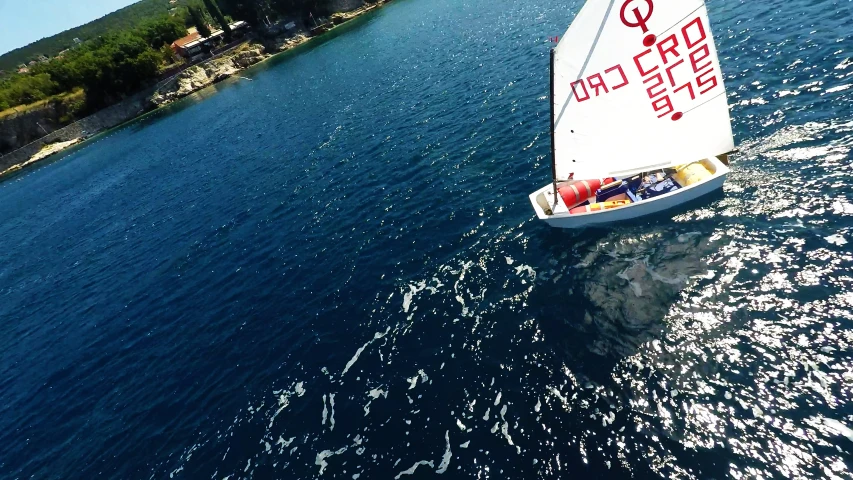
249 57
220 69
200 76
190 80
281 44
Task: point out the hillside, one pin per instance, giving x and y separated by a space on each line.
126 18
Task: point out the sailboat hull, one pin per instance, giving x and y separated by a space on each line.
561 218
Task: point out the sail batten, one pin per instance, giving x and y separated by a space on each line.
629 78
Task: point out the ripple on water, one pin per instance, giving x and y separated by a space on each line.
415 320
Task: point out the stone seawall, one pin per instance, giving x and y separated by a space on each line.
107 118
22 128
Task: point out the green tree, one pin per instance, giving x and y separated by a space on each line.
213 8
247 10
23 89
125 19
163 30
197 17
107 67
168 54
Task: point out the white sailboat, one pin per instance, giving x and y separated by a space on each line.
639 117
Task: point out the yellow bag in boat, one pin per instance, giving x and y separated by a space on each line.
594 207
691 173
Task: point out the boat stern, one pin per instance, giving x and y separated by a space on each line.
544 205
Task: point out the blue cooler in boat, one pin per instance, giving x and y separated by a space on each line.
618 191
660 188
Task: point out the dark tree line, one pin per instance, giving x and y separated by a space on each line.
106 68
127 18
198 19
213 9
122 62
258 11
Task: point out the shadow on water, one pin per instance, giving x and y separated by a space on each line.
667 216
313 42
607 292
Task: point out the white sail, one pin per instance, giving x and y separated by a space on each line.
637 86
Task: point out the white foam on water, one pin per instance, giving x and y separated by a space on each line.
505 430
322 456
351 362
459 298
839 428
839 88
840 207
560 396
445 459
414 467
332 407
413 382
325 410
677 280
498 399
283 402
465 445
836 239
374 394
526 269
413 290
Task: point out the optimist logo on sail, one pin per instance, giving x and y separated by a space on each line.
640 19
677 72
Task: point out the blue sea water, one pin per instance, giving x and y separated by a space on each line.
330 269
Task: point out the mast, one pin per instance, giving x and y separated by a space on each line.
553 146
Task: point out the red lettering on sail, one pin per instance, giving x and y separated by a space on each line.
643 72
639 19
575 90
622 73
699 35
678 94
599 83
649 90
694 59
680 71
702 82
664 50
661 104
689 87
669 70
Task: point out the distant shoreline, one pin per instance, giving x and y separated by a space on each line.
189 81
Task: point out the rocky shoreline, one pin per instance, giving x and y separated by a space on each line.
213 71
45 152
193 79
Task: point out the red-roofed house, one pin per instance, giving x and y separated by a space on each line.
179 46
194 45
